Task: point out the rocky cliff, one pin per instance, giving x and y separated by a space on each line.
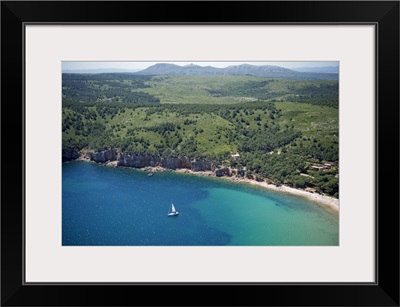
201 165
69 154
175 163
139 161
103 156
222 172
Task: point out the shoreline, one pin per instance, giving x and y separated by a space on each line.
322 200
325 201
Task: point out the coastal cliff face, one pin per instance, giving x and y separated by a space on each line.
222 172
201 166
68 155
103 156
140 161
175 163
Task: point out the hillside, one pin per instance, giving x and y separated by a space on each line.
283 129
129 88
267 71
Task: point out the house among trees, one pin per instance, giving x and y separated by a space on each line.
236 156
316 168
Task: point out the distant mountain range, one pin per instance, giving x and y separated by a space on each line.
268 71
327 69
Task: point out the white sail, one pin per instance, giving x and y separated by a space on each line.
173 211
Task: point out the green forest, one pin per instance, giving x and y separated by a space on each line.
286 131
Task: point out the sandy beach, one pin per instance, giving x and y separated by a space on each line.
323 200
328 202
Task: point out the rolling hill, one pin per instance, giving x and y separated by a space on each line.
268 71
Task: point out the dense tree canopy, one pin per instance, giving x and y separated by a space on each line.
103 111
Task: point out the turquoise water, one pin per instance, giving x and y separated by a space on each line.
122 206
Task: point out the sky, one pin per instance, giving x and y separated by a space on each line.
135 65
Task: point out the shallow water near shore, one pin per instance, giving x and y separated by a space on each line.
123 206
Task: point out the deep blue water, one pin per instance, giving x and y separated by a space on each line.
122 206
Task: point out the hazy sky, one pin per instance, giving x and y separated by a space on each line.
142 65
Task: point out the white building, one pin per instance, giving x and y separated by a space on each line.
236 156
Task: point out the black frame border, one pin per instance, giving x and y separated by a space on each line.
383 14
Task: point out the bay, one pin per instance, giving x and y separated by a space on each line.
125 207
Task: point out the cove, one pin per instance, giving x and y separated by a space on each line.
106 206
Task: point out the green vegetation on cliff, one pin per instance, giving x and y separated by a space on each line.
281 128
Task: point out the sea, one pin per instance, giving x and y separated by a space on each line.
114 206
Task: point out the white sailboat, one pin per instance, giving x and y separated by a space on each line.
172 211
